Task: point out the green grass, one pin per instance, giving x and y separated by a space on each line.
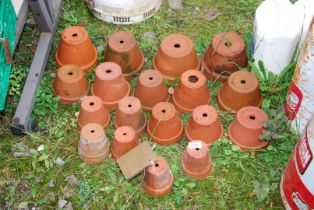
239 180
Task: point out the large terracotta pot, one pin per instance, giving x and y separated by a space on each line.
92 110
196 161
204 125
76 48
246 129
240 90
158 179
94 145
70 84
125 139
224 56
130 113
123 50
165 126
151 89
110 84
176 55
191 92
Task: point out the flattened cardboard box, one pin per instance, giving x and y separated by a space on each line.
136 160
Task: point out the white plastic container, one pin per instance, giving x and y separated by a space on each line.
297 183
299 105
276 34
124 11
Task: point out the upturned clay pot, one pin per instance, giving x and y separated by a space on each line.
165 126
125 139
130 113
204 125
158 179
246 129
123 50
196 161
176 55
191 92
110 84
151 89
94 145
92 110
76 48
225 54
70 84
240 90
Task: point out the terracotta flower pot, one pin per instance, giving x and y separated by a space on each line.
110 85
124 140
245 130
94 145
191 92
92 110
158 179
204 125
196 161
240 90
151 89
165 127
225 54
123 50
70 84
130 113
176 55
76 48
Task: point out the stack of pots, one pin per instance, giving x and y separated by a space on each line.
176 57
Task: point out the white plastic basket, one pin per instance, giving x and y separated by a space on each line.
124 11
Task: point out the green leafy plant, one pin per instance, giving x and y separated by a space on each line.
17 77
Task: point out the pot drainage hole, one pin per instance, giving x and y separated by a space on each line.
193 79
252 117
177 45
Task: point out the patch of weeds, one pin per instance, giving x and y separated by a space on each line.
17 77
85 192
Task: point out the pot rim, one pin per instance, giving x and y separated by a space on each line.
138 69
183 109
213 74
68 101
104 125
244 147
138 131
169 141
201 175
159 192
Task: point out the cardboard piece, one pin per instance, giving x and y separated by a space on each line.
136 160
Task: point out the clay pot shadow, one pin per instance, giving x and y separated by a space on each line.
70 84
165 126
124 140
225 55
130 113
158 179
76 48
246 129
92 110
204 125
191 92
151 89
175 55
196 161
240 90
123 50
94 145
110 84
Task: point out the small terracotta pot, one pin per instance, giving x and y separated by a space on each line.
92 110
191 92
246 129
196 161
158 179
204 125
225 54
130 113
176 55
70 84
124 140
94 145
151 89
123 50
165 126
110 85
240 90
76 48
